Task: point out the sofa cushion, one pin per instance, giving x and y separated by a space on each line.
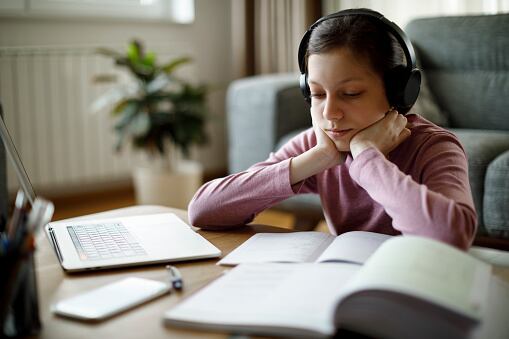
482 147
466 60
496 197
427 107
287 137
260 110
454 90
306 206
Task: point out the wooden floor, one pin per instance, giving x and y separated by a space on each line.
88 203
73 206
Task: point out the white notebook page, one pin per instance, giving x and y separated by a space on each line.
265 295
355 247
279 247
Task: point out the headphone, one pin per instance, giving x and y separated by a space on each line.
402 83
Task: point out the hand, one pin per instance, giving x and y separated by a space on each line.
327 148
317 159
385 134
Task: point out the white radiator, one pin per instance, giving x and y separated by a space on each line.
47 94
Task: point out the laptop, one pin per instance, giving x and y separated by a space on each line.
114 242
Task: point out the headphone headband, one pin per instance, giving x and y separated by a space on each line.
410 92
394 29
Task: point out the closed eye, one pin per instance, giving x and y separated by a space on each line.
352 94
317 95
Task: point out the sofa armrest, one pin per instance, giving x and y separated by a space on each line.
496 197
260 110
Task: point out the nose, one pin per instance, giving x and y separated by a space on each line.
332 109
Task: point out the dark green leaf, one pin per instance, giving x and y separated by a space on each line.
171 66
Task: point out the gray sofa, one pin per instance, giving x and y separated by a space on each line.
465 61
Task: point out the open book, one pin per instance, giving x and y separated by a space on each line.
352 247
411 287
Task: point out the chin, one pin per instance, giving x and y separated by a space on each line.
342 147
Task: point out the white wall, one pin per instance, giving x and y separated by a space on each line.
208 40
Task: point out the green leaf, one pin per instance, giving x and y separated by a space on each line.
126 114
150 59
139 125
126 108
134 52
120 107
171 66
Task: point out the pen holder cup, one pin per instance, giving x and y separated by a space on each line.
19 309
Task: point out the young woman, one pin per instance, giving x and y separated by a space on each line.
374 168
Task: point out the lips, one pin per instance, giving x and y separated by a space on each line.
338 133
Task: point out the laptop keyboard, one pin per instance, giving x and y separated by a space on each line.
104 241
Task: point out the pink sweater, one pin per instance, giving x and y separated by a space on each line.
421 188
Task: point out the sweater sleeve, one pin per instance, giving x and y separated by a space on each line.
438 204
236 199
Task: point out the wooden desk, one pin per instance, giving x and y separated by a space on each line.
144 321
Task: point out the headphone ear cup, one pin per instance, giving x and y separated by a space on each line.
402 87
412 88
304 87
395 81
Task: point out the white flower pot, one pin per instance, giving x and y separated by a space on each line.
172 187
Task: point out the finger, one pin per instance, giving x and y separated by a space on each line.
392 113
405 133
401 122
389 110
391 116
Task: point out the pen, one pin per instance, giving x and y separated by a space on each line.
17 216
175 277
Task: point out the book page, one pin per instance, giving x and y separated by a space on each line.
293 297
495 324
279 247
429 270
355 247
490 255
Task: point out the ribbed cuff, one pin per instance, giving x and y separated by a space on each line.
363 160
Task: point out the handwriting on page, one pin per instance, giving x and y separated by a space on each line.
280 247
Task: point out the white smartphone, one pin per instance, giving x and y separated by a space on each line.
108 300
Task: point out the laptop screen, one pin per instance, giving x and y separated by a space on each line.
15 160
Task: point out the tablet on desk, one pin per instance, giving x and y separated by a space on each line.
126 241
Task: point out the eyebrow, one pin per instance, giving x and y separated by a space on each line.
311 81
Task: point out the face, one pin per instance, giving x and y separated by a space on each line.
346 94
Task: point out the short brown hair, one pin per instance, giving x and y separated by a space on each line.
363 36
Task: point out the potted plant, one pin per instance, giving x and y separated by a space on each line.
162 115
